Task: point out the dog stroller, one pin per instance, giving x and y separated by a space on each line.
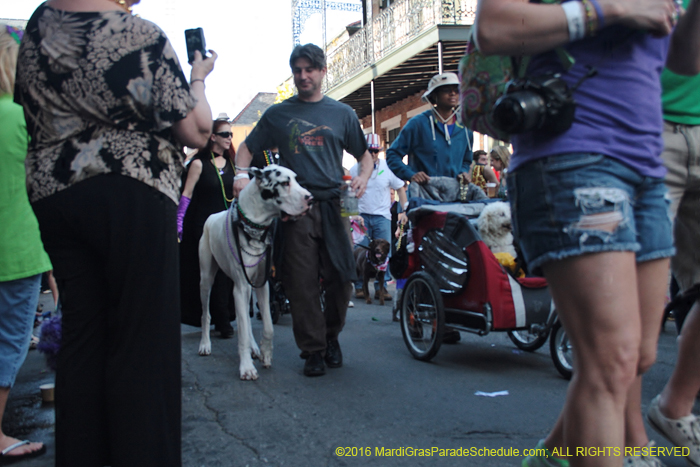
454 282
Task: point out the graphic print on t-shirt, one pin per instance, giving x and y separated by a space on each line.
307 135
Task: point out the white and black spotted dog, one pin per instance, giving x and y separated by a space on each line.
495 228
238 242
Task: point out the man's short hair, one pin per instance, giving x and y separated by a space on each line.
311 52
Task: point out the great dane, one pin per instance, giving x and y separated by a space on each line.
238 242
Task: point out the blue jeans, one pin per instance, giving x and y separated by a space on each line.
18 300
377 227
558 202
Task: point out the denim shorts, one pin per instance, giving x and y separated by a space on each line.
573 204
18 300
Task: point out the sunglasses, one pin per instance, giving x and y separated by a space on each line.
374 151
224 134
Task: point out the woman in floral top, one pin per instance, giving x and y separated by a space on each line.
108 109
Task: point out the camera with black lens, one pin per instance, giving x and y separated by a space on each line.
542 103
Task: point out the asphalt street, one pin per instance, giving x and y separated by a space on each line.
382 408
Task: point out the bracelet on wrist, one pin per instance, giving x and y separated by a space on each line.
575 20
242 169
195 80
591 22
242 176
600 19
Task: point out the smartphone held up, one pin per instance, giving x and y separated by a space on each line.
195 41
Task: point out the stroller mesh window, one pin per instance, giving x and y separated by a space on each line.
444 260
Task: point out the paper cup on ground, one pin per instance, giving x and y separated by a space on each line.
47 392
491 190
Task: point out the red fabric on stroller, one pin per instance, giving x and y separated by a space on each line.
515 303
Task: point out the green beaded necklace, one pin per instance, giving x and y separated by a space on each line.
227 202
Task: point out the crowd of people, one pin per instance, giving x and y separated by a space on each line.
109 207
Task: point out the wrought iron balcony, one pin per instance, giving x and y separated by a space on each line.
395 27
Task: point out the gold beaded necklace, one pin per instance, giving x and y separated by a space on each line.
123 4
227 201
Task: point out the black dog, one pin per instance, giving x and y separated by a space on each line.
368 260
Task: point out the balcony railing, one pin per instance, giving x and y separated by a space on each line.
393 28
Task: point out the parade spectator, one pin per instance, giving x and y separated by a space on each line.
670 413
311 131
22 255
588 202
108 109
435 142
482 173
208 190
375 205
500 160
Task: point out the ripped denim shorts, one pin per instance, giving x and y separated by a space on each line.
573 204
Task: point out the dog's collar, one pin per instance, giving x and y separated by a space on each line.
247 221
379 267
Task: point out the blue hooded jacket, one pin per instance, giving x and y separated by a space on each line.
430 149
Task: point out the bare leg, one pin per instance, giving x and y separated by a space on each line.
678 396
597 302
7 441
651 298
555 439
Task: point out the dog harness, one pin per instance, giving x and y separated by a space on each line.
252 231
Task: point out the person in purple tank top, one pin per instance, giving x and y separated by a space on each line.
589 202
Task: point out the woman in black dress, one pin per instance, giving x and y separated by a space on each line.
209 189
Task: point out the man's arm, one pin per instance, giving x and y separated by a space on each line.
465 171
684 51
395 154
359 183
243 159
403 202
468 153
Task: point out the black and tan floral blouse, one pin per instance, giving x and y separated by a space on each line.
100 92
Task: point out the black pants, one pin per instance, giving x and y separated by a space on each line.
113 244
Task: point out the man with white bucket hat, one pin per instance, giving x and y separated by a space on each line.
435 142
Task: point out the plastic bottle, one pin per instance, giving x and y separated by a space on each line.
348 198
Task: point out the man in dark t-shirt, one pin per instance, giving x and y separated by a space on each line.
311 132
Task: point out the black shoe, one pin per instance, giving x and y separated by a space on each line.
226 331
451 337
334 357
314 365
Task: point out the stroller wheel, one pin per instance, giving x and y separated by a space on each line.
562 351
422 316
527 340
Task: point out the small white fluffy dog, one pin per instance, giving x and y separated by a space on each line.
495 228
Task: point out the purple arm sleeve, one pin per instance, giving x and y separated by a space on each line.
181 210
